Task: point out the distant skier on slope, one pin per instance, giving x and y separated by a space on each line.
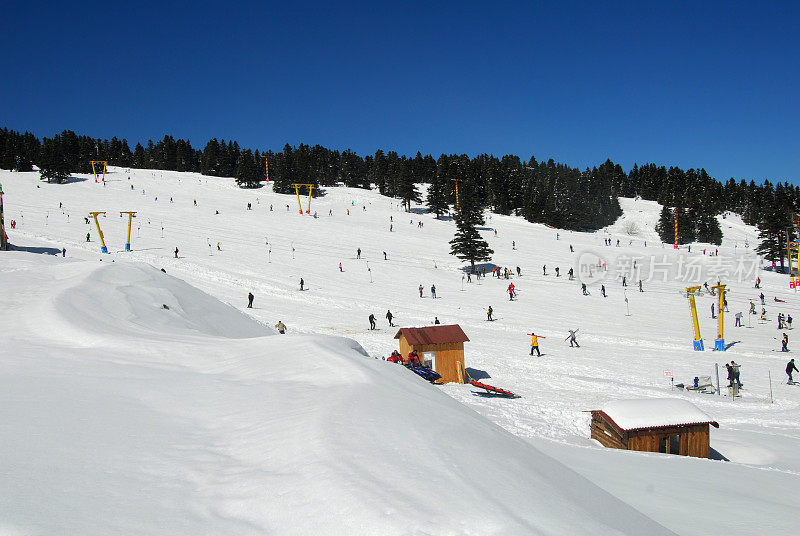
535 343
489 314
176 252
281 327
371 321
250 298
389 317
302 283
791 367
572 340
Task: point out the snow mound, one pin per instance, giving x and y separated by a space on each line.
654 412
129 298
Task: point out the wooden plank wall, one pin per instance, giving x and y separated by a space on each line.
606 434
694 440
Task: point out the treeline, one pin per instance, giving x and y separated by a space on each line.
544 192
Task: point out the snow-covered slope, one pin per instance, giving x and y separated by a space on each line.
626 346
142 427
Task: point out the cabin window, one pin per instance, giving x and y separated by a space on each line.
429 360
670 444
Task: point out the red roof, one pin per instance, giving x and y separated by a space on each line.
433 335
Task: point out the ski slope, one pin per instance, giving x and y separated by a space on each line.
625 350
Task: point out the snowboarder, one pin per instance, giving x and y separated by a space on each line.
433 291
489 314
420 291
785 343
281 327
358 253
603 290
791 367
535 343
738 320
302 283
572 339
250 298
176 252
436 320
371 321
389 317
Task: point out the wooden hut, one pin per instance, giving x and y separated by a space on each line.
439 347
667 425
3 236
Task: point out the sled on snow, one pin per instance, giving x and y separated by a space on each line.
426 373
491 390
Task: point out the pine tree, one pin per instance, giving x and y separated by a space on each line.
468 244
246 172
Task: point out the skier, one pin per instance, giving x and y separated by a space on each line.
712 311
436 320
571 274
384 255
218 248
340 266
640 286
489 314
762 298
281 327
558 274
544 269
511 292
87 234
789 321
195 202
302 283
358 253
64 254
572 339
176 252
513 245
735 369
519 272
603 290
738 319
785 343
570 249
753 309
250 298
389 317
420 291
583 289
791 367
624 279
731 375
433 291
725 305
371 321
535 343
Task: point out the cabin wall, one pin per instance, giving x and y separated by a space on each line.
448 356
694 440
606 434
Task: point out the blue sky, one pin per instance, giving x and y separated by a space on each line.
705 84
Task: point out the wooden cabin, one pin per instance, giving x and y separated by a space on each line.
667 425
3 236
439 347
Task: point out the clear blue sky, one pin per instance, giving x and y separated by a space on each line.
703 84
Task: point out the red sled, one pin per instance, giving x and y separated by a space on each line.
491 390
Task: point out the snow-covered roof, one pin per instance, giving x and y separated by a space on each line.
653 413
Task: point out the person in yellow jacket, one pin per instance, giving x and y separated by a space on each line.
535 343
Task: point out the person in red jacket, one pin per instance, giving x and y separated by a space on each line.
413 358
